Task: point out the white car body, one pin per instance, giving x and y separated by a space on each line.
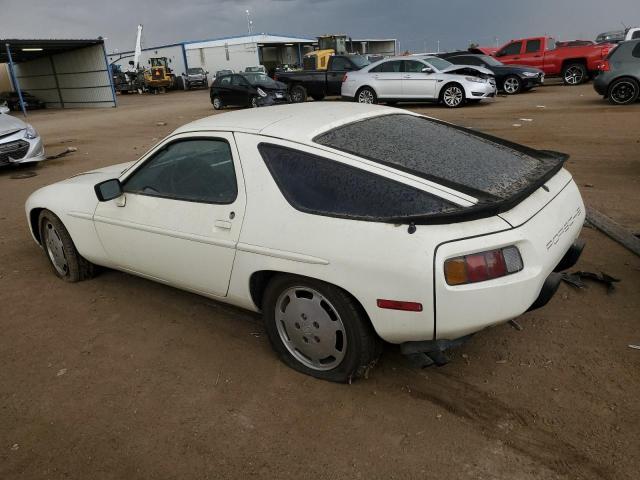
478 82
632 34
19 141
207 249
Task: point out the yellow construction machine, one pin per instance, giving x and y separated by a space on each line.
158 75
328 45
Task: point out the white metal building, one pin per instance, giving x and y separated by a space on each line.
62 73
237 53
387 47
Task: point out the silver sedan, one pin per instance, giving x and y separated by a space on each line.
19 141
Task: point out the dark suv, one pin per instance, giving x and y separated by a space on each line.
619 74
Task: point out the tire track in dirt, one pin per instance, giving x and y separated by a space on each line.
514 428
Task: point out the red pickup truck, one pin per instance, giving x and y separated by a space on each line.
575 64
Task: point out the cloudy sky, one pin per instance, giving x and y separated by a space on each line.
418 24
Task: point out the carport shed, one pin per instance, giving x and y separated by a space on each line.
62 73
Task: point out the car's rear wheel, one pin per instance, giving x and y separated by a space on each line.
217 103
60 250
318 329
453 95
623 91
574 73
298 94
366 95
512 85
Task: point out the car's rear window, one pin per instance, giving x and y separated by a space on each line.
442 153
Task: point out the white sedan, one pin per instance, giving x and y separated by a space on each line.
344 224
410 79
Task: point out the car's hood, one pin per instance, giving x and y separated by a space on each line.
515 69
9 124
278 86
104 173
197 76
454 68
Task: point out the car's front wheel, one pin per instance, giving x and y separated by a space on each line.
318 329
512 85
452 95
60 250
217 103
624 91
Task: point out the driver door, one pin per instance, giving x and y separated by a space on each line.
179 218
416 83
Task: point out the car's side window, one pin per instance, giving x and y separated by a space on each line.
468 61
533 46
239 81
511 49
320 186
225 81
195 169
392 66
411 66
636 50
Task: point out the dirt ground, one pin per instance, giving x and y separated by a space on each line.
119 377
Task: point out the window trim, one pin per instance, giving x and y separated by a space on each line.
135 168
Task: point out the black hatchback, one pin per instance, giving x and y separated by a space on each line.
248 89
619 75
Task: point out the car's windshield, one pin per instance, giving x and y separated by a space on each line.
359 61
438 63
194 71
258 78
491 61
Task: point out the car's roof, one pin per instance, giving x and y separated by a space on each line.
299 122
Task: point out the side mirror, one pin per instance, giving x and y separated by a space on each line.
427 70
108 190
206 73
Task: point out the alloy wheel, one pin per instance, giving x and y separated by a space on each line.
623 92
574 75
452 96
55 249
217 104
365 96
511 85
310 328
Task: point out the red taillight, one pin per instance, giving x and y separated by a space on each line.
344 79
482 266
399 305
604 66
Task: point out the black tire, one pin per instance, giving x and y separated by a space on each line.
217 103
623 91
298 94
452 89
366 95
253 102
77 268
574 73
317 98
512 85
362 345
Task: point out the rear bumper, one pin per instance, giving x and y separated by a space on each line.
547 244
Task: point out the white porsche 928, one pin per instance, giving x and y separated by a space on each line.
344 224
